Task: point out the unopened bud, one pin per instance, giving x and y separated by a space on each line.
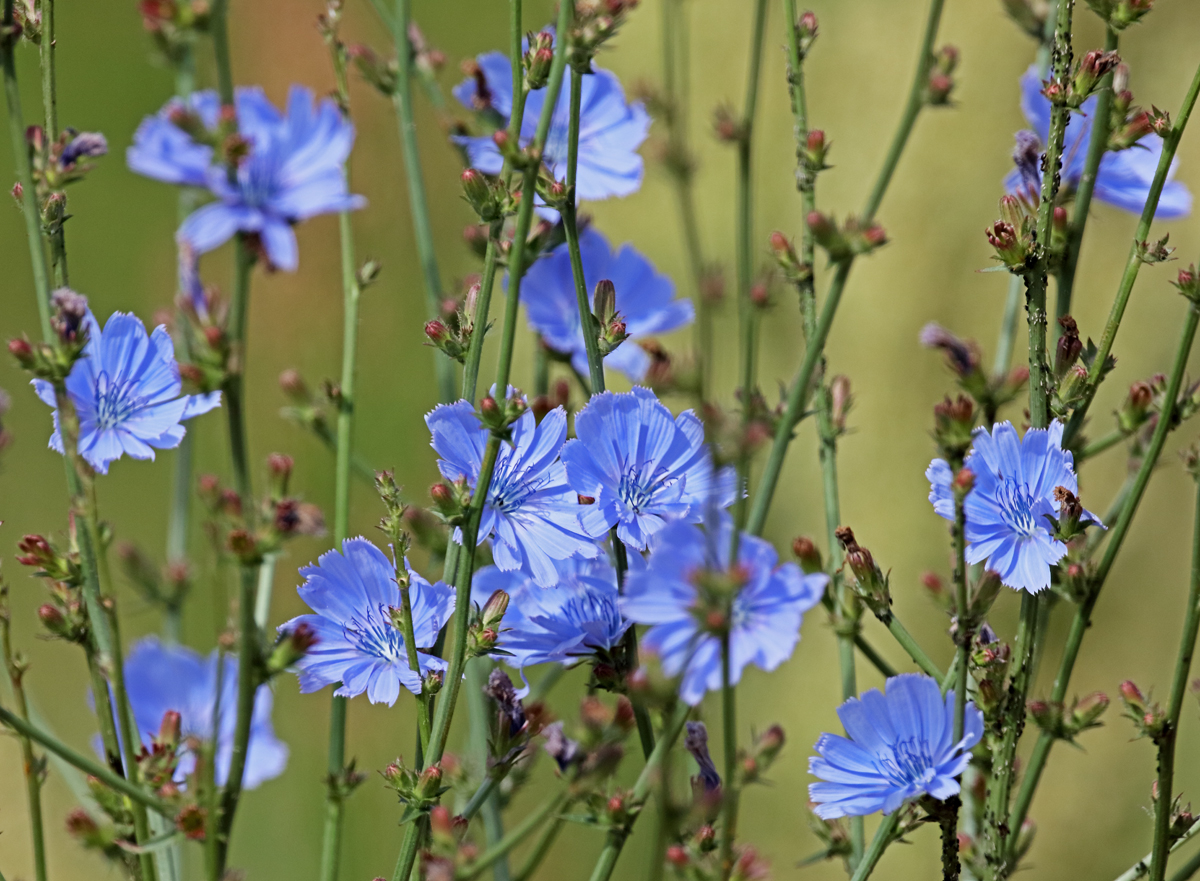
808 555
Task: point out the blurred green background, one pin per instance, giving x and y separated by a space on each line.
1091 811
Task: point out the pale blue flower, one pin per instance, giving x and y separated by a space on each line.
645 299
126 392
643 467
161 677
767 610
575 618
610 129
294 169
1013 493
352 593
531 514
900 746
1123 179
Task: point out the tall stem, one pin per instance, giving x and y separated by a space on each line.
883 837
1083 615
20 151
1097 147
800 389
418 204
31 764
1167 740
331 843
1133 263
518 834
729 796
963 633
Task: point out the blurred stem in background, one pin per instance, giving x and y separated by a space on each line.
846 606
801 387
56 216
338 776
681 165
32 764
418 204
9 35
1164 807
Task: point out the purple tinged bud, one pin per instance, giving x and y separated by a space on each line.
960 354
70 309
85 145
696 743
561 748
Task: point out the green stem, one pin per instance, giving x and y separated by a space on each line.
618 835
540 849
1097 147
912 108
46 51
909 644
20 149
883 837
247 687
1188 869
1167 740
518 834
105 775
1097 447
964 632
418 203
335 802
1008 328
1133 264
1142 866
1083 614
1041 379
484 799
1002 835
729 797
30 763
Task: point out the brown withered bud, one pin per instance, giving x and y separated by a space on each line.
1069 346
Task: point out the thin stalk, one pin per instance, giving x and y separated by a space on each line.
351 292
20 150
1133 263
1097 447
88 766
480 796
1142 866
963 634
1188 869
1008 328
1003 757
31 764
46 48
1097 147
676 95
484 799
1083 614
1167 740
910 645
247 688
729 797
883 837
518 834
618 835
912 108
1041 379
331 843
540 849
800 389
418 203
103 622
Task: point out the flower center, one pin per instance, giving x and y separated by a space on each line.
510 491
257 178
909 762
373 634
637 490
115 401
1017 507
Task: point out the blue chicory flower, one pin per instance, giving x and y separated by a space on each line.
767 610
352 593
577 617
1123 179
532 514
294 169
610 129
643 467
126 392
645 299
161 677
899 747
1012 495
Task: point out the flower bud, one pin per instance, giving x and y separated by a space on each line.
70 310
1069 346
953 422
1087 710
808 555
1188 283
22 351
870 583
815 148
